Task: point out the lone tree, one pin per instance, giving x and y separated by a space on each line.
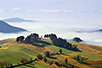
66 60
23 60
45 60
47 54
77 39
60 51
39 56
20 39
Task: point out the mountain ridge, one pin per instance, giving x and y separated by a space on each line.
6 28
16 19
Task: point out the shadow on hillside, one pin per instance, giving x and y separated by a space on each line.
44 42
86 63
30 66
41 42
73 66
53 57
23 64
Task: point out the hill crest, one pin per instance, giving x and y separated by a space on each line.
6 28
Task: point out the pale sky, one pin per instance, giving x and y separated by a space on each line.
65 13
57 9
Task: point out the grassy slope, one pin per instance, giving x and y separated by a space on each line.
15 51
92 52
34 65
53 47
7 41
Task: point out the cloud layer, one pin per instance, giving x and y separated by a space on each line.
13 10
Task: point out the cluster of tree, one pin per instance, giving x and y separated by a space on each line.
79 58
64 65
60 42
55 41
47 54
29 39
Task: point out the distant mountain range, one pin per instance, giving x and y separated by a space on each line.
17 20
90 31
6 28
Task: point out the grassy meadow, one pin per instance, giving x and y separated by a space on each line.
12 52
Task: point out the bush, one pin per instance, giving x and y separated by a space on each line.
23 60
70 66
47 54
36 59
39 56
79 58
76 39
30 59
66 60
60 51
51 62
45 60
57 63
4 63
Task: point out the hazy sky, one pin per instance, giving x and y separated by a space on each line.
51 8
78 13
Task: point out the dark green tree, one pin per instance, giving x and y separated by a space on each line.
46 36
47 54
66 60
60 51
45 60
32 38
57 63
39 56
23 60
52 36
20 39
77 39
28 39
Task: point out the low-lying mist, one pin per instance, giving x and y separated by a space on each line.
60 28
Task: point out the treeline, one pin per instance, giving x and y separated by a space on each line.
60 42
32 38
29 39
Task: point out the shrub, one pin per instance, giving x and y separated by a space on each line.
45 60
51 62
76 39
70 66
66 60
4 63
23 60
57 63
79 58
47 54
60 51
36 59
39 56
30 59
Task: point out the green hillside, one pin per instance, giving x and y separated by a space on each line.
12 52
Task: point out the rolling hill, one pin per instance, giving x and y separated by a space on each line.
17 20
13 52
89 31
6 28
